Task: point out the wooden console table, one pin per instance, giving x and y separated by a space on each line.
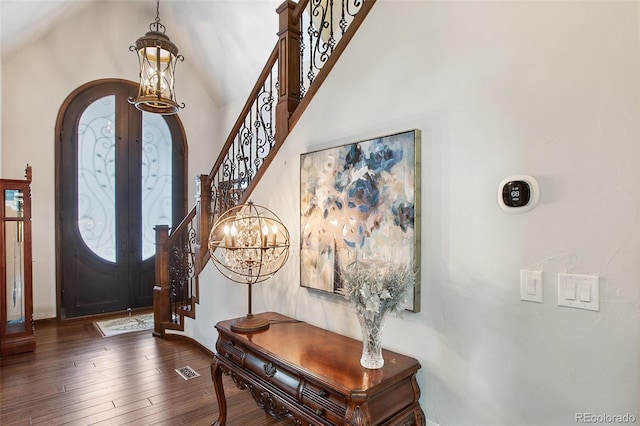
295 370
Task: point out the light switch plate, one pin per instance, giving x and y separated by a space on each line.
531 286
579 291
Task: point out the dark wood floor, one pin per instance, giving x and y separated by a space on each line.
77 377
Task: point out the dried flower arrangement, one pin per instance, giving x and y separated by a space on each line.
375 289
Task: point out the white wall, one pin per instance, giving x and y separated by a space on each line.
549 89
36 81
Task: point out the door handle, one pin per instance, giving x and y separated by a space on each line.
125 248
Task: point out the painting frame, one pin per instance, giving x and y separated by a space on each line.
361 200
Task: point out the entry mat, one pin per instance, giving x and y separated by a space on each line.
128 324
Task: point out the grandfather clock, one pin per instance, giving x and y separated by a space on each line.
16 318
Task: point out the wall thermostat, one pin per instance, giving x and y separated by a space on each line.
518 194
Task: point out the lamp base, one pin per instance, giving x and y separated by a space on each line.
249 324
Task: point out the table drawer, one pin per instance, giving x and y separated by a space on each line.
277 375
260 366
323 402
230 350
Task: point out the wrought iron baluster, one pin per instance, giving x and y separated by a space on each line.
182 273
319 23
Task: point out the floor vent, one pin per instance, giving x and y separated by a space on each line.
187 372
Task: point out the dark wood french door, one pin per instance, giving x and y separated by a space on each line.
120 173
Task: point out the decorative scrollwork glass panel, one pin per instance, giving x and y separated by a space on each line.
156 179
96 177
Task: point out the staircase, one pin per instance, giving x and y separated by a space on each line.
312 35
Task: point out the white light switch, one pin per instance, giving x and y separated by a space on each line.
570 291
531 286
579 291
585 293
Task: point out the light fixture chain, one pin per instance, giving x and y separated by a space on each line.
156 25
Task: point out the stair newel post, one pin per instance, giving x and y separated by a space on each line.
203 217
161 296
288 67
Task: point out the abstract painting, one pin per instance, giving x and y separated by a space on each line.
360 201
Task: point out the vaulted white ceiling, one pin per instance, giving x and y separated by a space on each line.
226 42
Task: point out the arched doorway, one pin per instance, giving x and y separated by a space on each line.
119 173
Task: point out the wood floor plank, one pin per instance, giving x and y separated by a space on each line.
78 377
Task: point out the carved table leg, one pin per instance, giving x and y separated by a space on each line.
216 375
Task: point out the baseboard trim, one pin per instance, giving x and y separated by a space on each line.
189 340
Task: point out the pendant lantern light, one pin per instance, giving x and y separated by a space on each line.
158 57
